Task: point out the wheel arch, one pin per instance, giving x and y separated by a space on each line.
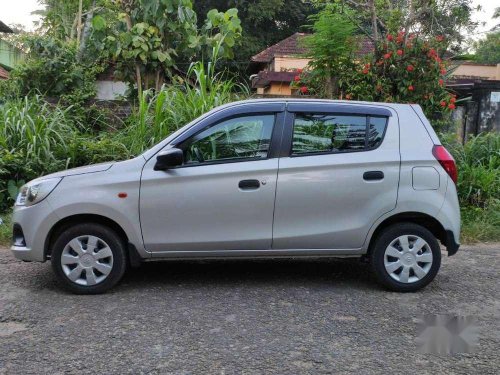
69 221
425 220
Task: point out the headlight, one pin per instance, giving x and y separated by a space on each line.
34 192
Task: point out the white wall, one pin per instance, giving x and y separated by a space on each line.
110 90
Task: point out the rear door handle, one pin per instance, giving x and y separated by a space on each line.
249 184
373 175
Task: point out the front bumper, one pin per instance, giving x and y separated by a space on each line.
35 223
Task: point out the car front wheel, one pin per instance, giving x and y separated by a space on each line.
88 258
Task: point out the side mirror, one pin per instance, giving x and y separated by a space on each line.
168 159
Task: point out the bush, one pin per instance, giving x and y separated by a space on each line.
478 163
157 116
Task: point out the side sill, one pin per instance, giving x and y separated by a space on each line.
252 254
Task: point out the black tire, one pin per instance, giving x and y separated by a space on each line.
114 242
385 238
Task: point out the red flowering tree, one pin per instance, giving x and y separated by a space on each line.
404 68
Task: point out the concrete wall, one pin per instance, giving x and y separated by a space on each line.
110 90
9 55
478 70
286 63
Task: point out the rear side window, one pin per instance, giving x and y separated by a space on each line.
331 133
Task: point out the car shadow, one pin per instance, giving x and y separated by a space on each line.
272 272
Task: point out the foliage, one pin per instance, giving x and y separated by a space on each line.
481 224
60 17
51 69
264 23
147 38
478 164
488 49
403 68
160 114
429 19
331 48
5 228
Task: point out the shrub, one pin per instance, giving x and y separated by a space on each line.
157 116
478 163
36 130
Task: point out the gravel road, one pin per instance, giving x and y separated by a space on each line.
244 317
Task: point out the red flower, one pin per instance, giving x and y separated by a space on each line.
443 103
441 82
443 71
299 71
388 55
440 38
453 99
297 78
410 68
411 88
390 37
400 52
303 90
451 106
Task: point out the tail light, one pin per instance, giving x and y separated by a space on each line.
446 160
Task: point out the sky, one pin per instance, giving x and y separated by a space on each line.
19 12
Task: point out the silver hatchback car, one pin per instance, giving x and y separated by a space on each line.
258 178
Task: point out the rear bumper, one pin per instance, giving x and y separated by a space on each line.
451 245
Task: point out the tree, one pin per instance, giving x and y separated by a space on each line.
331 47
376 18
488 49
264 23
148 38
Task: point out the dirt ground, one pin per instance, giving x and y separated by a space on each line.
245 317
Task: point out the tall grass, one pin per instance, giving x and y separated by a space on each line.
35 128
478 163
160 114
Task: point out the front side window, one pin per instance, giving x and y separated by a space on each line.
329 133
245 137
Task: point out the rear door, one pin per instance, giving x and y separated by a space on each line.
338 173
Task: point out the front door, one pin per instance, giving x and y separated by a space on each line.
339 174
222 197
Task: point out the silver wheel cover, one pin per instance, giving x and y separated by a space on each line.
87 260
408 259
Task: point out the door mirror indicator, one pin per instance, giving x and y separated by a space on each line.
168 159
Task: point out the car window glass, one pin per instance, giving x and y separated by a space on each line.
376 131
314 133
237 138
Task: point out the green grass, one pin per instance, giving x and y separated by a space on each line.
481 225
5 229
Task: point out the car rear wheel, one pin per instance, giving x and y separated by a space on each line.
405 257
88 258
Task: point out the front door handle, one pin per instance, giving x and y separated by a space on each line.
249 184
373 175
